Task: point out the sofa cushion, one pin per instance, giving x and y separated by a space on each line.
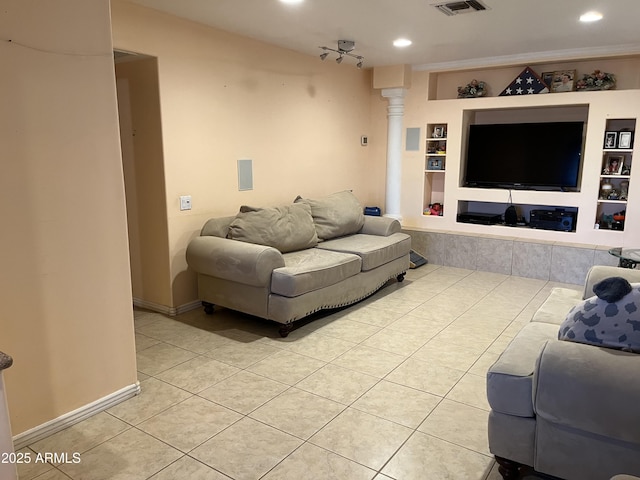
287 228
510 378
312 269
335 215
217 227
374 250
555 308
606 320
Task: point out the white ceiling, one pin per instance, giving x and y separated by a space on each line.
510 32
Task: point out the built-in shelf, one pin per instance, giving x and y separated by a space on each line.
540 217
434 170
615 174
444 85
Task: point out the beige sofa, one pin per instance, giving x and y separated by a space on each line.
564 408
285 263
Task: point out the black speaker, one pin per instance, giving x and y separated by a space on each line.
511 216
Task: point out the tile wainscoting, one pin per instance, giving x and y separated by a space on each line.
553 261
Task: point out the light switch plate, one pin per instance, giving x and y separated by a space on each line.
185 202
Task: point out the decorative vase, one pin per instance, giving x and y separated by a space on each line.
624 190
605 190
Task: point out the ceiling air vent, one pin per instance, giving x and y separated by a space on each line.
455 8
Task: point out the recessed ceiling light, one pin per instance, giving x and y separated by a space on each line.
292 2
591 17
402 42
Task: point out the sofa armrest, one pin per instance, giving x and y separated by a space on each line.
381 226
600 272
589 388
240 262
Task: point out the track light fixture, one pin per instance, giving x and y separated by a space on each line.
345 47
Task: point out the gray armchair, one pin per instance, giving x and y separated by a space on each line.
565 409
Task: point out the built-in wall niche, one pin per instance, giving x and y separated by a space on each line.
540 148
545 217
562 113
444 85
617 157
434 170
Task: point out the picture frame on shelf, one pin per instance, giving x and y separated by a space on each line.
547 78
626 169
435 163
613 165
563 81
610 139
439 131
624 140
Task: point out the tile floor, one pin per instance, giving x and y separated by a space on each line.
390 388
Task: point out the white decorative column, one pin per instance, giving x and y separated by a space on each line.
395 114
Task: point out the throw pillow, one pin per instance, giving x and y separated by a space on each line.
335 215
609 319
287 228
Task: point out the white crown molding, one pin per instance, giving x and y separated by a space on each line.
536 57
53 426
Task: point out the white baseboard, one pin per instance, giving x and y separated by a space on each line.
49 428
171 311
188 306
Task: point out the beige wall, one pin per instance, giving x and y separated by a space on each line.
64 288
224 98
392 76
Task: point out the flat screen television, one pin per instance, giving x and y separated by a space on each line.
529 156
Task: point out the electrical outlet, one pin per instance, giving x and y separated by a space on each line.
185 202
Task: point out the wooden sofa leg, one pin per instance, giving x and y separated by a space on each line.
208 308
509 469
285 329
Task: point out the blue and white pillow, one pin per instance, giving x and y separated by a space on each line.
610 319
